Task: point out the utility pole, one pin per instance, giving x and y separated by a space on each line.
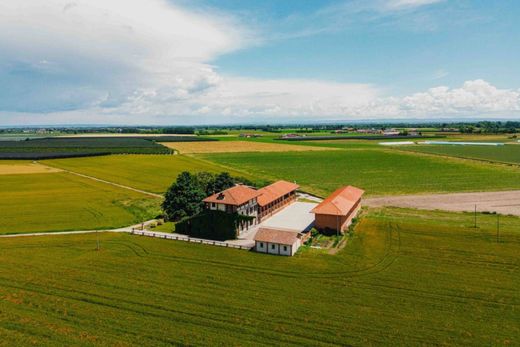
498 228
475 216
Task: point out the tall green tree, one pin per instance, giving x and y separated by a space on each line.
183 198
223 181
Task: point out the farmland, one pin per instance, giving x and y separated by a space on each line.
403 279
379 172
61 201
74 147
238 146
147 172
503 154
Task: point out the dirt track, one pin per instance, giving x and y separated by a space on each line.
502 202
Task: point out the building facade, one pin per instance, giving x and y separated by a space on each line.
257 204
336 212
277 242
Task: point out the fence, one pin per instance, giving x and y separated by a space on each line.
189 239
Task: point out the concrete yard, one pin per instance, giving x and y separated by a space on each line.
296 217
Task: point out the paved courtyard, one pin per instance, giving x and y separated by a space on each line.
297 216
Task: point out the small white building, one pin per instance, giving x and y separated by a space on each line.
276 241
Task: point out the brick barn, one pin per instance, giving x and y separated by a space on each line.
336 212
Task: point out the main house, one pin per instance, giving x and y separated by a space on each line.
247 201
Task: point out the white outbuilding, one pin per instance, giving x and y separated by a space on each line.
277 241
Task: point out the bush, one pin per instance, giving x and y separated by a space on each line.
214 225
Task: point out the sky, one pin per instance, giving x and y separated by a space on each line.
158 62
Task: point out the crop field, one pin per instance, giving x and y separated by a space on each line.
61 201
58 147
238 146
404 278
154 173
379 172
9 167
503 154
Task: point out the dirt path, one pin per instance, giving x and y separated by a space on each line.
114 184
507 202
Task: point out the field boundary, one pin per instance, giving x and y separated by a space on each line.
111 183
166 236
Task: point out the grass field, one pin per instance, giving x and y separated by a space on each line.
377 171
238 146
61 201
154 173
503 154
404 278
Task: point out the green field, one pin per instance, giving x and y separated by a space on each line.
62 201
154 173
503 154
404 278
379 172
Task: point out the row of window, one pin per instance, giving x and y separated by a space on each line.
273 246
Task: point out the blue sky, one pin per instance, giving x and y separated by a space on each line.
448 41
210 61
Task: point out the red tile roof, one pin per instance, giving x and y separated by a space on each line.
275 191
339 203
276 236
235 196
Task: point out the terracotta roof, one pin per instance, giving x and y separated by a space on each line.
235 196
275 191
340 202
282 237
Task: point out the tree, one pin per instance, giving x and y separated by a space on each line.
206 182
223 181
183 198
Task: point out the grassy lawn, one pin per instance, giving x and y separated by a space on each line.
61 201
404 278
504 154
154 173
377 171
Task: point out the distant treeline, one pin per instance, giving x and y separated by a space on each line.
486 127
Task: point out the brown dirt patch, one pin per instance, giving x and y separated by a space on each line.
238 146
24 169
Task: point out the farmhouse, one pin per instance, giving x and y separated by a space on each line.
276 241
247 201
239 199
336 212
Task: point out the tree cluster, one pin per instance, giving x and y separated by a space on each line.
184 197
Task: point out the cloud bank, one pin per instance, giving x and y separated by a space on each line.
149 62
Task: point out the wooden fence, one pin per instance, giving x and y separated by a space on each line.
189 239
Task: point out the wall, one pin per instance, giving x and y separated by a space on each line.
267 247
323 221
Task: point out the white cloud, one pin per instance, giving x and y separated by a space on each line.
401 4
476 98
148 62
61 54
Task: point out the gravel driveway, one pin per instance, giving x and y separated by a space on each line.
507 202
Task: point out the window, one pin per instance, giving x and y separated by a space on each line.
285 248
262 244
213 204
273 246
